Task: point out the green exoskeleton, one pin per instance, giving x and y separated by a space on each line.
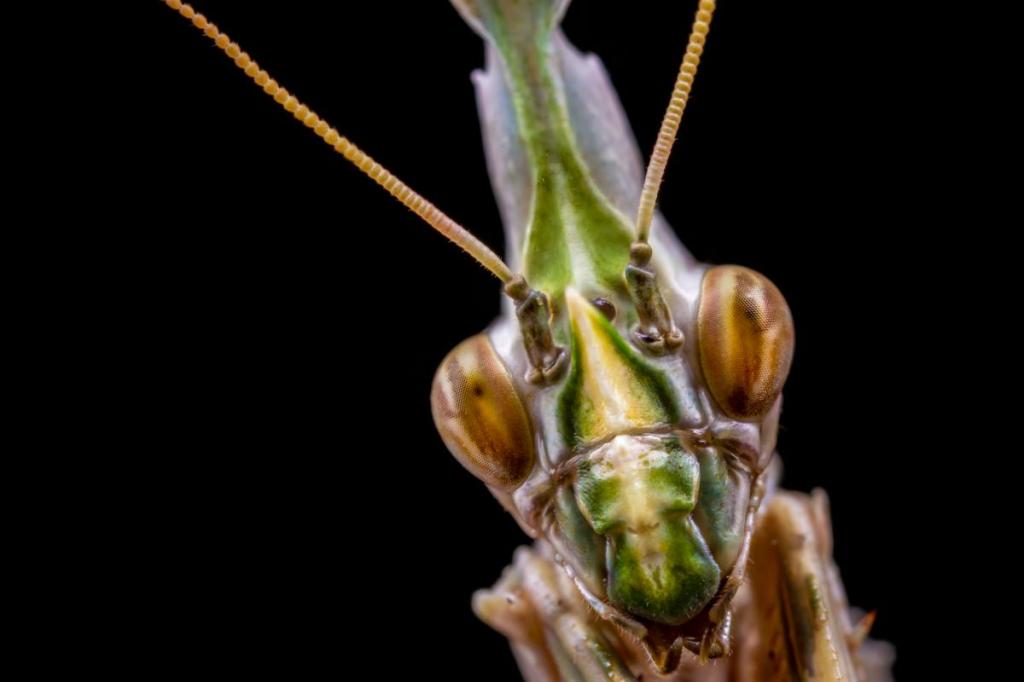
624 406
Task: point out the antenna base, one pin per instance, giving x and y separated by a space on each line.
656 332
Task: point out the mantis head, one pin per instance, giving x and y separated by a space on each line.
627 410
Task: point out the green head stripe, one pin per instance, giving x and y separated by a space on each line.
610 388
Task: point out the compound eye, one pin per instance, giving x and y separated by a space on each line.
480 416
745 336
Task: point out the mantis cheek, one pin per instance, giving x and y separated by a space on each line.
721 509
745 334
480 415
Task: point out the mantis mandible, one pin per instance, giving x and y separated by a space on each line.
624 406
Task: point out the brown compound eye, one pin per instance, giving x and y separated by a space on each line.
480 416
745 336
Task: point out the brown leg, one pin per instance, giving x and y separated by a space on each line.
797 615
553 634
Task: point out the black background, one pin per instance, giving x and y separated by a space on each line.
290 315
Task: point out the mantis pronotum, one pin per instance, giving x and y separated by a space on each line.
624 407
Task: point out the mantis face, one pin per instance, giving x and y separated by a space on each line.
639 468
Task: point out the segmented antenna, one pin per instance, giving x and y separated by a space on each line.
420 206
547 359
674 113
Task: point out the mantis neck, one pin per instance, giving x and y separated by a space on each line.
574 236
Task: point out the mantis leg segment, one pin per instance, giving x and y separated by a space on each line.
506 609
552 633
798 608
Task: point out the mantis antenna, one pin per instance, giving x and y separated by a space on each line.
673 115
360 159
656 331
548 360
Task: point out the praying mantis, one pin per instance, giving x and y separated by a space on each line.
624 406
